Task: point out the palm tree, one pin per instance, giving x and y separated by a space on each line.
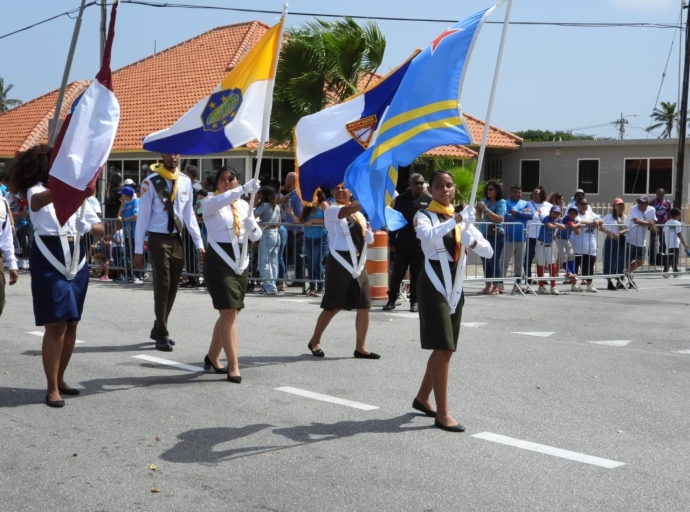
5 102
665 117
462 172
321 63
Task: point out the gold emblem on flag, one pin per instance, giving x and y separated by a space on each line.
362 130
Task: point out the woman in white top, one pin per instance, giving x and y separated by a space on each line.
444 234
347 281
614 245
227 218
585 243
540 208
58 295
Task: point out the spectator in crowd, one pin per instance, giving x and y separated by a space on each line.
128 215
614 246
540 207
7 255
566 257
572 225
518 213
3 187
191 255
661 208
641 218
315 241
112 195
492 210
544 248
129 182
292 206
579 194
444 234
115 242
24 230
585 243
673 238
405 245
347 281
268 213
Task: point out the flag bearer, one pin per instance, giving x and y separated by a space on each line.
7 248
58 296
165 206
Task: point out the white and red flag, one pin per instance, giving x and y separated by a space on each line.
85 139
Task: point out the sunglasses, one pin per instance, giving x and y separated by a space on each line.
418 183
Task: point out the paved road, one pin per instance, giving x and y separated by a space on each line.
221 446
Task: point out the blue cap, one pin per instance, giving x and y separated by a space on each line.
556 208
127 191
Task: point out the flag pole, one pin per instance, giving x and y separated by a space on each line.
459 276
268 105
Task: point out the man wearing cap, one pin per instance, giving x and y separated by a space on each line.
661 208
577 196
405 244
164 208
128 216
641 218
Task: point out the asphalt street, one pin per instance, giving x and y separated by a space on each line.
598 384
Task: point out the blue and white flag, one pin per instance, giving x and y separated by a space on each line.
329 141
424 114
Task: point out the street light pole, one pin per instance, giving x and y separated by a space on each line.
621 124
683 123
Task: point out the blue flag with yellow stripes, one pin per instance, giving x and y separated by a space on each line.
424 114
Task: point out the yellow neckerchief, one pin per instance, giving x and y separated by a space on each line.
168 175
235 215
448 211
359 219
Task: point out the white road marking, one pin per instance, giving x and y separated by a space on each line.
472 324
402 314
537 334
612 343
327 398
167 362
41 333
683 352
550 450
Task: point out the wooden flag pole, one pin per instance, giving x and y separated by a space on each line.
460 273
268 105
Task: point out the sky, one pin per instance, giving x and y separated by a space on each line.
552 78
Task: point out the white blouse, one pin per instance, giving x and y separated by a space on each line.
611 226
219 218
334 226
428 235
540 210
45 221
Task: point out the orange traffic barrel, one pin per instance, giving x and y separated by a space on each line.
377 265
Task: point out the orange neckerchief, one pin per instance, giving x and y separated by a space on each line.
235 215
448 211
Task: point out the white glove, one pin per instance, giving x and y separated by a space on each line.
252 186
250 224
468 215
83 226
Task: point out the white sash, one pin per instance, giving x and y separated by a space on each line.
62 268
445 288
354 271
232 263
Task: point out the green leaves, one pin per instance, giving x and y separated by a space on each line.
666 117
5 102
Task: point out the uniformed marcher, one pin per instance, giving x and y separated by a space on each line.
227 218
444 234
7 248
347 282
58 295
165 206
405 245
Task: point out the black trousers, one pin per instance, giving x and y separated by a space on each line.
404 259
671 259
531 251
295 252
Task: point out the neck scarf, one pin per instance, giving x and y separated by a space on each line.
359 219
235 215
168 175
448 211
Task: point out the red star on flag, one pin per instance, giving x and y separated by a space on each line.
441 37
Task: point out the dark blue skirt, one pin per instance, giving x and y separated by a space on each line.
55 298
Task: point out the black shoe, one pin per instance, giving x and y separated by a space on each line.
454 428
317 352
419 406
611 286
235 380
54 403
171 341
370 355
390 306
163 344
187 284
413 307
208 365
68 392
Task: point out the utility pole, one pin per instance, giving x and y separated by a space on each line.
104 23
683 123
621 124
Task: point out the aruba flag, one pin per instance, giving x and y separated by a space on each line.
424 114
233 114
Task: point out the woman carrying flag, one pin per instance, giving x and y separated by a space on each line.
58 296
227 218
347 282
443 234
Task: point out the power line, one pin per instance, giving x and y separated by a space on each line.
68 14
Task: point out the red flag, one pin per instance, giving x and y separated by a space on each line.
85 139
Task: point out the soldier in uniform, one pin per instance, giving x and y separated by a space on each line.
166 205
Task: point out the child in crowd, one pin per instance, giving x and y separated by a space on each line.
572 225
673 238
544 249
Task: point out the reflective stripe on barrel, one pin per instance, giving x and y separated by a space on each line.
377 265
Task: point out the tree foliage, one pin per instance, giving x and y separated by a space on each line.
320 63
665 117
548 136
462 172
5 102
